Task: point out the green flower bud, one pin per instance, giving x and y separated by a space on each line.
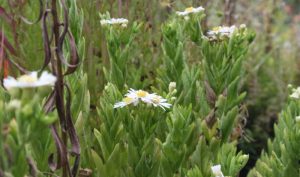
27 110
298 119
243 159
172 86
48 119
13 127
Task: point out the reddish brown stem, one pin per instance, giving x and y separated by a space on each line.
59 86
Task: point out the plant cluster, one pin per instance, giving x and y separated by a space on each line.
187 120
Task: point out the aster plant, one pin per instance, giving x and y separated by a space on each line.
186 123
119 35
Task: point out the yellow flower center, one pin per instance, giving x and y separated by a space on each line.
127 100
141 93
217 28
27 79
189 9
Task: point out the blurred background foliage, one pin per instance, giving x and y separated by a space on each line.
272 62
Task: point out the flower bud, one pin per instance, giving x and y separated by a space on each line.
298 119
27 110
124 25
243 26
48 119
243 159
14 105
13 127
173 92
172 86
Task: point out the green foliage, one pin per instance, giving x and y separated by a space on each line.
174 61
119 41
282 156
155 50
223 60
127 138
28 136
206 155
180 141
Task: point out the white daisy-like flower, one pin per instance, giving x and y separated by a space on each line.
190 10
135 96
217 171
132 97
221 31
157 100
30 80
138 94
113 21
296 93
126 101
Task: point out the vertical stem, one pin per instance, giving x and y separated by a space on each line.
59 85
120 8
111 2
268 27
229 11
205 4
127 7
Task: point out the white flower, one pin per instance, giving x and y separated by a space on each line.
132 97
157 100
126 101
30 80
121 21
221 31
190 10
138 94
217 171
135 96
296 93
